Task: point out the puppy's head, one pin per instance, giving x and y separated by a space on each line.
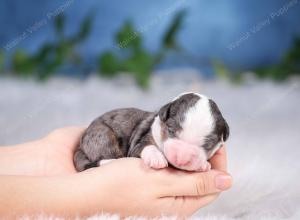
189 130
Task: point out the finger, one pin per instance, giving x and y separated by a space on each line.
74 131
194 184
219 160
73 135
67 136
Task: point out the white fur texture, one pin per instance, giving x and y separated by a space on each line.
198 123
263 149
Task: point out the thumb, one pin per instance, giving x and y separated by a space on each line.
196 184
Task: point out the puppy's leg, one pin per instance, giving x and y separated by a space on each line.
81 161
152 157
97 143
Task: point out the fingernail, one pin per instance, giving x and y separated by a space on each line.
223 182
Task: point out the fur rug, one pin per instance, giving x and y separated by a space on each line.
263 148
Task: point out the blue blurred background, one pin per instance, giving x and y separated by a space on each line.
64 63
208 30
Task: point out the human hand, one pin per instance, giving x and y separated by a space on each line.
60 146
132 188
49 156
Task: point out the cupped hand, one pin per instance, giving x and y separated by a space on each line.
59 147
125 186
49 156
133 188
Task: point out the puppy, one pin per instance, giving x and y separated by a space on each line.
184 133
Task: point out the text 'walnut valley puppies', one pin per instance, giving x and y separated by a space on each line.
184 133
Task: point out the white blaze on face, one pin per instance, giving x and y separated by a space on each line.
198 122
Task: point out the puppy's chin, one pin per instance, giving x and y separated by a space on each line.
185 156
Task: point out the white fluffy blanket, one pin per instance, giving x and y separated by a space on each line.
263 149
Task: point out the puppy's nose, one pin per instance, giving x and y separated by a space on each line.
181 154
184 159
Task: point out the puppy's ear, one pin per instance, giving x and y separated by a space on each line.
164 112
225 131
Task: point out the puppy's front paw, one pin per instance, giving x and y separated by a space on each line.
152 157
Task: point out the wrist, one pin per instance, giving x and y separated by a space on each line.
22 159
67 196
103 192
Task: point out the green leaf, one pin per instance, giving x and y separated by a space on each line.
51 56
136 60
1 61
169 38
59 25
85 28
290 64
140 66
221 70
108 64
291 60
55 58
44 52
22 63
127 37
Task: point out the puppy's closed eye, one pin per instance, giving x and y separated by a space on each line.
173 127
211 141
